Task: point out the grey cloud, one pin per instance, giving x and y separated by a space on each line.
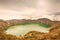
28 3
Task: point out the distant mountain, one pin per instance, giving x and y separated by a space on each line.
18 21
45 20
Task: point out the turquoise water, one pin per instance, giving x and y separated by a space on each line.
23 29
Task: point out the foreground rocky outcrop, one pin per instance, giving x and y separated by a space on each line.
53 34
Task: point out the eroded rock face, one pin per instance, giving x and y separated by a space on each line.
53 34
42 20
34 35
6 24
3 24
15 21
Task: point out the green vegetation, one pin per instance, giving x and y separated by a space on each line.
40 24
23 28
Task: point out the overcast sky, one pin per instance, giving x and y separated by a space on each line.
36 8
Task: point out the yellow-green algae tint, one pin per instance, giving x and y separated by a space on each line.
24 29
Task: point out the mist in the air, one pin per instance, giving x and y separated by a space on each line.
24 9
